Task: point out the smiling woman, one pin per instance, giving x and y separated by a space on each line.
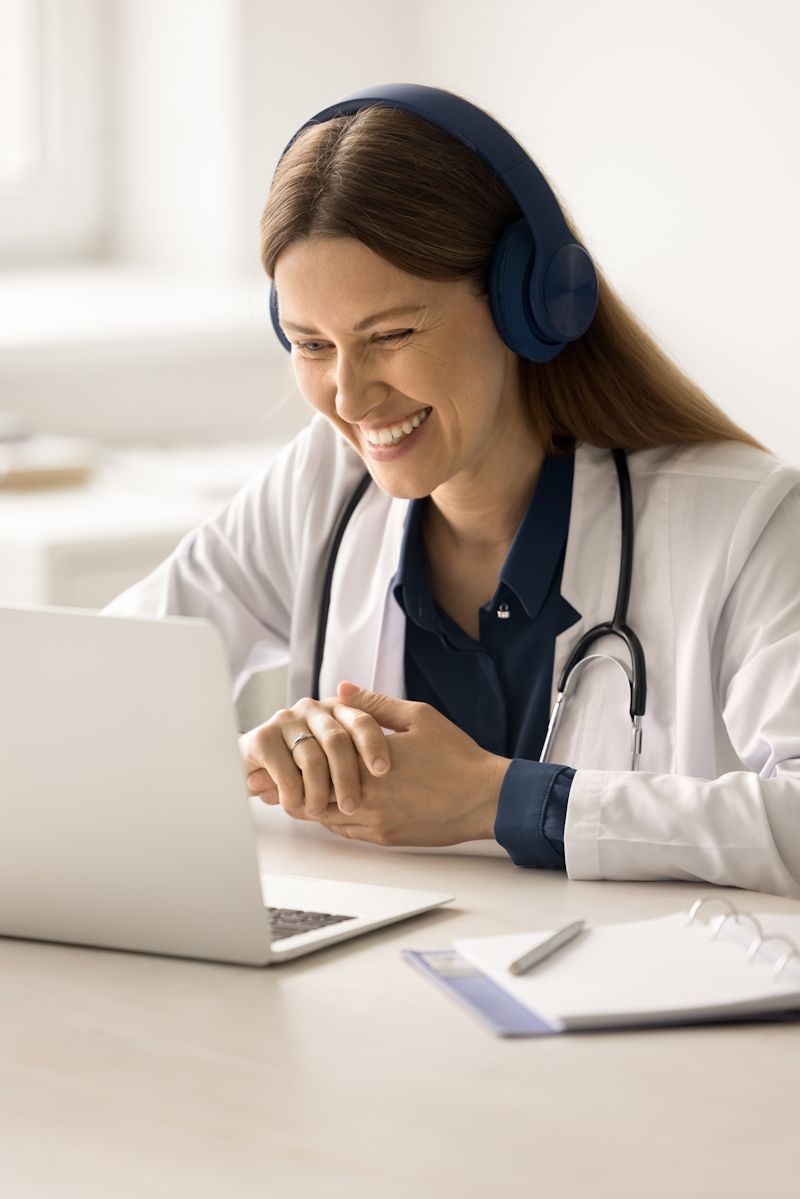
454 518
447 362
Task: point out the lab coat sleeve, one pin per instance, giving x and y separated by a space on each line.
238 569
742 829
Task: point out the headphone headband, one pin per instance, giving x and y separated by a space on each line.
542 283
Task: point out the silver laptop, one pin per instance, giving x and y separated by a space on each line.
125 820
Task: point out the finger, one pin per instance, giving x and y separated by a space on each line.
388 712
368 737
259 780
353 829
338 747
260 783
284 771
310 759
269 758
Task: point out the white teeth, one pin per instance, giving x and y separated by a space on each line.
396 432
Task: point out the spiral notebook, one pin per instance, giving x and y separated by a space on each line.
676 969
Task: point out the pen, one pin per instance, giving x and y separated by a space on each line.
545 948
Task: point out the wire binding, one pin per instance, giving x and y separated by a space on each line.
718 924
755 945
699 904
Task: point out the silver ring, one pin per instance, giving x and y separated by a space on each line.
300 737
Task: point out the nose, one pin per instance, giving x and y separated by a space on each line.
357 389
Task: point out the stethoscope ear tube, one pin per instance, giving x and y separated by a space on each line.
637 679
618 627
620 621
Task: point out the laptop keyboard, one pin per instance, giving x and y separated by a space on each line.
288 922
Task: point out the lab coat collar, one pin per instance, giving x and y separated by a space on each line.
594 540
534 553
366 626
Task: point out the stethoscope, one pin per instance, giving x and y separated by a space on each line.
579 658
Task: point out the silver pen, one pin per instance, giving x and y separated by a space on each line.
545 948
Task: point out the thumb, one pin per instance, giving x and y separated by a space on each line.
390 713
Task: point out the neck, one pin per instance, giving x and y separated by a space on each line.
478 514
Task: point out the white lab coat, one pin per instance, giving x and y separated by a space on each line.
715 600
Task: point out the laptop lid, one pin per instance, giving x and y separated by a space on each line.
123 806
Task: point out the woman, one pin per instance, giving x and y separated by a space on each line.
488 542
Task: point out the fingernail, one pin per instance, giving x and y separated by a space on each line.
348 806
379 765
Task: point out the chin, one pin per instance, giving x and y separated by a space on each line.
400 489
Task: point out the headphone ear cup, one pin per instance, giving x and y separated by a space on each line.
276 324
509 294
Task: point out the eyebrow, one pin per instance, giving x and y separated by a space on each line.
400 310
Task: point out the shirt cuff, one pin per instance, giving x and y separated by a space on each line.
532 812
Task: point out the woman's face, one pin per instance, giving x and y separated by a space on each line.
429 395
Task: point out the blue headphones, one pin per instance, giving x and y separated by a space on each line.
542 285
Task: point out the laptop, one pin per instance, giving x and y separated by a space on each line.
126 821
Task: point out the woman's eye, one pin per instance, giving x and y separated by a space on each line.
316 347
395 336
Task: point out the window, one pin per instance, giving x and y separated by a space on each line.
53 189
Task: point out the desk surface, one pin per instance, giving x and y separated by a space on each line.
346 1073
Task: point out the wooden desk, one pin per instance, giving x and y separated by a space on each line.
347 1074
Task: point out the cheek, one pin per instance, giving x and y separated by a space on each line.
314 384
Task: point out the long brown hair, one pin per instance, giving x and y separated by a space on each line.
430 206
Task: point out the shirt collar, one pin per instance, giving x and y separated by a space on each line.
531 561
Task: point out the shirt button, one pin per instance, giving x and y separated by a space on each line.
503 612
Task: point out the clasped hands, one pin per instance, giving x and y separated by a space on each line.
428 783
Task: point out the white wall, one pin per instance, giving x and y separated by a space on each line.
670 130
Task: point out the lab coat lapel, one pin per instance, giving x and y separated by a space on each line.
366 627
595 729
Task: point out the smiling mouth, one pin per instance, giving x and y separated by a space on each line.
391 434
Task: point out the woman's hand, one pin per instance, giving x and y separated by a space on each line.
323 767
442 789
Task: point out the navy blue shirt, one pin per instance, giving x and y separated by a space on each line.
497 689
